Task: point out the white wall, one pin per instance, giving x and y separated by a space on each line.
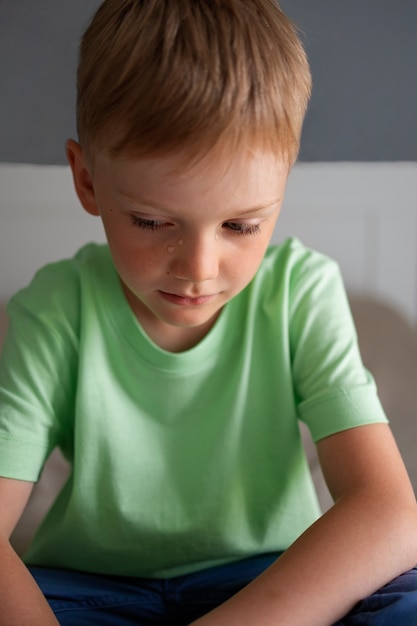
362 214
365 216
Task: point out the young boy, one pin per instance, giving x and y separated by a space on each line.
172 366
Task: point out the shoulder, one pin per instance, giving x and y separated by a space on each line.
61 279
293 270
55 292
292 257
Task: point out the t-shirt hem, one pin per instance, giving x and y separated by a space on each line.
347 409
21 460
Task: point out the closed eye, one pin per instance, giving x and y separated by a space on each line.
146 224
242 229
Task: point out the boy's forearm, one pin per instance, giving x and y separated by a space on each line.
341 559
21 600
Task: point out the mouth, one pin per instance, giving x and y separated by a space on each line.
186 300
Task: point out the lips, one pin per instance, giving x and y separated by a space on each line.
186 300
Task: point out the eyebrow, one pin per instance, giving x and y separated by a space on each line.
255 209
260 207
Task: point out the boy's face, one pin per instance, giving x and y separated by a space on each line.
184 242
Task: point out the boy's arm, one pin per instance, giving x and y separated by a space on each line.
21 601
366 539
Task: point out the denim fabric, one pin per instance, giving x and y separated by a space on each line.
85 599
80 599
395 604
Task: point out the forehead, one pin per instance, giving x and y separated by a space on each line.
246 172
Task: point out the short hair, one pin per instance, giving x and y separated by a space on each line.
161 76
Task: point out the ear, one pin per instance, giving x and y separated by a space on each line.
83 181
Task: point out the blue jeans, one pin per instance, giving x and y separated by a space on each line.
80 599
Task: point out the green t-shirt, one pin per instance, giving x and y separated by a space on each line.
180 461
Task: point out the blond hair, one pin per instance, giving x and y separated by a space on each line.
158 76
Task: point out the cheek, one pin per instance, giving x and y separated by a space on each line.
141 261
255 252
133 257
243 266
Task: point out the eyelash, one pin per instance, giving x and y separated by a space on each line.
146 224
242 229
234 227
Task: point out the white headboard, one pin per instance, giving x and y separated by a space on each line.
362 214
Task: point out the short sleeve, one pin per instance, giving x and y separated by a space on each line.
38 372
333 389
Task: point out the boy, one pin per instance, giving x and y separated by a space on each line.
172 365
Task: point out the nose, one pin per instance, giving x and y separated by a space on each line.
196 259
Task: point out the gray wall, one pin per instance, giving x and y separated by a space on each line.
363 55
